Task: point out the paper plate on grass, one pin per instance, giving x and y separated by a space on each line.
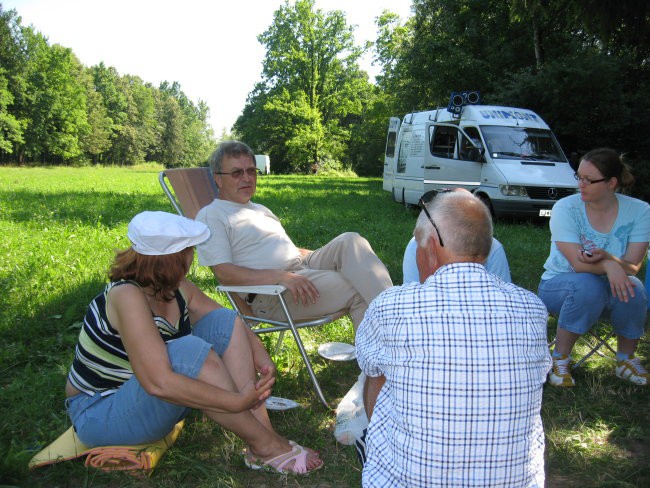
337 351
278 403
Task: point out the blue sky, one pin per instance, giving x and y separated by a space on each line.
209 46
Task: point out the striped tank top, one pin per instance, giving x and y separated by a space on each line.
100 363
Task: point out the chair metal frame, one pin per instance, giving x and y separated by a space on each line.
595 342
190 189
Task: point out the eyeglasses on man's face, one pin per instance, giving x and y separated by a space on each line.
587 181
426 212
238 173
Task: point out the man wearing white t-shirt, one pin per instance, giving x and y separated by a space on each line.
249 246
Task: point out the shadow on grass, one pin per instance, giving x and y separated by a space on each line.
597 432
35 360
35 376
105 208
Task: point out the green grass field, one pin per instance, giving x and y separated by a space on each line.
60 227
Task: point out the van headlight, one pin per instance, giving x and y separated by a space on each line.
513 190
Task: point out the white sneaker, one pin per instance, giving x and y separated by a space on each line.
560 374
633 371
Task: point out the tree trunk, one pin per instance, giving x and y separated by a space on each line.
537 43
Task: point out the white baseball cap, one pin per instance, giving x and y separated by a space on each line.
160 233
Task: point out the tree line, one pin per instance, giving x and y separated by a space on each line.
583 65
54 110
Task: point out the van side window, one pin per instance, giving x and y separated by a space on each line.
467 150
390 144
443 141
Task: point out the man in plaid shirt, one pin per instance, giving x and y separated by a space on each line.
455 364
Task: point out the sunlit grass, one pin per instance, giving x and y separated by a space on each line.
60 227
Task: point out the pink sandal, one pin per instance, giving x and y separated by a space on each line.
298 454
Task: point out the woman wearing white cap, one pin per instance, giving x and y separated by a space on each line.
153 346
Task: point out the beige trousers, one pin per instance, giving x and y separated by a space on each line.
348 275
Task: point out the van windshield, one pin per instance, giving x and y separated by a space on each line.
522 143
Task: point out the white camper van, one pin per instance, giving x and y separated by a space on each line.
263 163
507 156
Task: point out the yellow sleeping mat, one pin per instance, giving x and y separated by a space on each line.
141 458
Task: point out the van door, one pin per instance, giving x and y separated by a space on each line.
455 158
389 155
412 147
410 164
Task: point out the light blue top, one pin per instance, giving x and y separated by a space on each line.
569 223
647 278
497 262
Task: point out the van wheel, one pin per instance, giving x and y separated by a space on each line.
486 200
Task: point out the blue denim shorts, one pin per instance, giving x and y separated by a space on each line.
580 299
130 415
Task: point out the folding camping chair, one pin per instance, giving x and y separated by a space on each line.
596 340
189 190
193 189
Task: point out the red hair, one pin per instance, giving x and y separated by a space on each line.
163 273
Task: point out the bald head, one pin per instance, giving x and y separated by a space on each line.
464 223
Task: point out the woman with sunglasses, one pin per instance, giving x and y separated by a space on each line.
153 346
599 239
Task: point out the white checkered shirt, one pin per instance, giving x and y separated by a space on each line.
465 356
